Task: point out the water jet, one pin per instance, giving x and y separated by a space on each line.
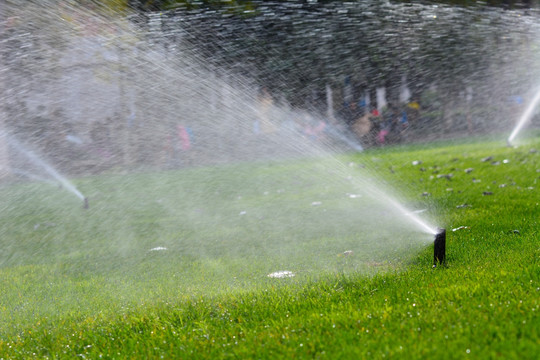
524 118
40 165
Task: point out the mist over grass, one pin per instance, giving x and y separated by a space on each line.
194 232
93 273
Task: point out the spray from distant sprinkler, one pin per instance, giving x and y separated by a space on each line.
439 248
524 118
37 161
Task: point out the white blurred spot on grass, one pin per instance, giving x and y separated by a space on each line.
281 274
158 248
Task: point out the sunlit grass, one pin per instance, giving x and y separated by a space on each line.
78 282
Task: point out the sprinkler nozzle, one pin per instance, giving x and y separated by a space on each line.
439 248
85 205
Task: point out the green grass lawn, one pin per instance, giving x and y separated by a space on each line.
92 284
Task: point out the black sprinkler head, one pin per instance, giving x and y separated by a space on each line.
439 248
85 205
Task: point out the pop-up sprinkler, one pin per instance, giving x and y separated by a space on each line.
439 248
85 205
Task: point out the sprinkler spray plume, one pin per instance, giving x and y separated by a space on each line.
439 248
525 117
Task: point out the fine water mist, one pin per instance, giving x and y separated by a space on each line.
202 178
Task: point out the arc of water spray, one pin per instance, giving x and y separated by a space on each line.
439 245
416 219
422 224
524 118
48 168
378 192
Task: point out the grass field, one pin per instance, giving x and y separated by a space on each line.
98 283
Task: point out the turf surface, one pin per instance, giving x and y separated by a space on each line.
94 283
